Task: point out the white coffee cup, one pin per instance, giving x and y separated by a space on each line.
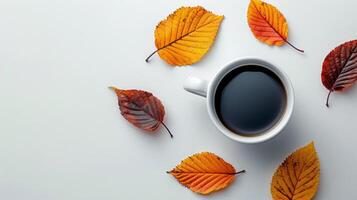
208 89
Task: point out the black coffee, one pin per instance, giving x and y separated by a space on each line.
250 100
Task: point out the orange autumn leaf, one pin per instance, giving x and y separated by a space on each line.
297 178
204 173
186 35
141 108
268 24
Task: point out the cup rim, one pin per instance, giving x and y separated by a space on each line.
271 132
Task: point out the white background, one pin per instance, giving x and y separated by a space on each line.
63 138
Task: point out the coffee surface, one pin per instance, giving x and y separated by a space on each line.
250 100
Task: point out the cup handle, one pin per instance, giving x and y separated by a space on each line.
196 86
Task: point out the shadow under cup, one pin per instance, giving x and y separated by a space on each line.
251 100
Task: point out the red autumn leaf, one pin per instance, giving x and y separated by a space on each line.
141 108
339 70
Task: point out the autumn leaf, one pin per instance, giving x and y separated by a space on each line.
339 69
268 24
204 173
186 35
141 108
297 178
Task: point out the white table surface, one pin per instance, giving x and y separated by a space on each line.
61 134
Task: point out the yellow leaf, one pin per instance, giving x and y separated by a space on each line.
268 24
204 173
297 178
185 36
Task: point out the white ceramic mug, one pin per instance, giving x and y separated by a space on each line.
208 89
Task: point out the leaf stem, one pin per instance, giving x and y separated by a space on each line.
147 59
328 97
112 88
300 50
242 171
168 130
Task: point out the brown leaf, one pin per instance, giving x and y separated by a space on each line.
339 70
186 35
298 177
141 108
204 173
